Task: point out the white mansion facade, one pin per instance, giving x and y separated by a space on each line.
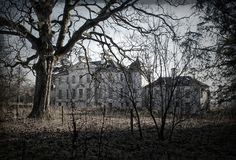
97 83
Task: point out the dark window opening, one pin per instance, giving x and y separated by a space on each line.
73 93
80 93
60 94
73 79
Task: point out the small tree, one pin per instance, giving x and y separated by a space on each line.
132 78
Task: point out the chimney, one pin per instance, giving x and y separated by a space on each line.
103 60
193 70
105 56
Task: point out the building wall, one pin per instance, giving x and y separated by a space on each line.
185 99
109 87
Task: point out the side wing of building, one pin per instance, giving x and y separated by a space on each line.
183 95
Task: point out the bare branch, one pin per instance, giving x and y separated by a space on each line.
64 23
20 29
105 13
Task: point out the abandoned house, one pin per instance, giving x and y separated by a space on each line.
97 83
177 94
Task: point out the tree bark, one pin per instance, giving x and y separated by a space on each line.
138 119
162 129
131 121
41 102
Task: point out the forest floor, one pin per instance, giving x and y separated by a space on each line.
212 136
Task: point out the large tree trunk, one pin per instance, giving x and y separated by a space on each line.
41 103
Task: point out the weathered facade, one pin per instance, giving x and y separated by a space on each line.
97 83
182 95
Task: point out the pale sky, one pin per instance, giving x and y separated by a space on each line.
119 37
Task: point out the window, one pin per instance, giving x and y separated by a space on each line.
80 78
121 77
188 108
177 104
105 90
110 78
88 90
110 92
73 93
88 78
100 92
178 94
59 81
155 91
73 79
121 93
53 101
67 94
60 94
80 93
187 93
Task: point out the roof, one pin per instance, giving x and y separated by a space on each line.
180 81
107 65
59 71
102 66
97 63
135 65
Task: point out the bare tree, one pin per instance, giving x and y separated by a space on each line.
53 32
132 78
163 96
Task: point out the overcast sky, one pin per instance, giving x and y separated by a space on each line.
182 10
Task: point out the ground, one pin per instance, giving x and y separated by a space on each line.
211 136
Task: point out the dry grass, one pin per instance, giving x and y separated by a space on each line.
205 137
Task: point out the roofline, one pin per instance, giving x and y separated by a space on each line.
199 82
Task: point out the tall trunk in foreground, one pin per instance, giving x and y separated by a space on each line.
44 66
41 102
